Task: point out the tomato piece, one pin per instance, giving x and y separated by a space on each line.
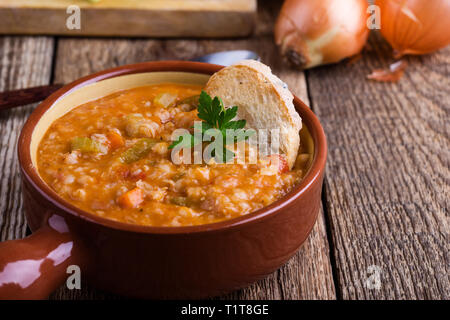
280 160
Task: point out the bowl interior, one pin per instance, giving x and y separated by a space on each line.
100 89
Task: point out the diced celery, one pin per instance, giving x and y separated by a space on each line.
191 101
139 150
84 144
178 176
179 201
165 100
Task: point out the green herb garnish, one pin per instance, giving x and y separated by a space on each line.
214 116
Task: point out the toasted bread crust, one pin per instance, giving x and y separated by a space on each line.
263 100
280 87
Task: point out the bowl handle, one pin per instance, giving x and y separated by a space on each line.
34 267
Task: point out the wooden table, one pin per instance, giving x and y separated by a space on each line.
386 193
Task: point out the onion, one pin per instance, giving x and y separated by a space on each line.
315 32
415 26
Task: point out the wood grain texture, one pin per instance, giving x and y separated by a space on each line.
156 18
308 274
387 183
24 62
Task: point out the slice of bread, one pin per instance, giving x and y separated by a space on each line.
263 100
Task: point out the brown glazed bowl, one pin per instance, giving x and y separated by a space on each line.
142 261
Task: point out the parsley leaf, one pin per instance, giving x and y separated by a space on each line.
214 115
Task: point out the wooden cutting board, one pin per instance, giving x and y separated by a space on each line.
135 18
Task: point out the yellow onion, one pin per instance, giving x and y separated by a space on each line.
315 32
415 26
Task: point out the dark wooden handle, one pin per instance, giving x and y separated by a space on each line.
21 97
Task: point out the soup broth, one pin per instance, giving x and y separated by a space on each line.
111 157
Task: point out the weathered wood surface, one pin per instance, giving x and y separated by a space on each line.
308 274
387 183
125 18
24 62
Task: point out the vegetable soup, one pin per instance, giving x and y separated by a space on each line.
112 157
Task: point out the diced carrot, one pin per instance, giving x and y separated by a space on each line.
115 140
131 199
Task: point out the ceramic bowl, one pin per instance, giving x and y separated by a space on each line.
143 261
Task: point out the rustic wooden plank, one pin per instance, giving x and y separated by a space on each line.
308 274
24 62
387 183
120 18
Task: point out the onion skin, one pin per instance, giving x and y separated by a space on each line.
393 74
314 32
415 26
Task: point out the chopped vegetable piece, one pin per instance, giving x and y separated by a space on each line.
191 101
283 165
139 150
165 100
179 201
85 144
132 124
279 161
131 199
115 139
